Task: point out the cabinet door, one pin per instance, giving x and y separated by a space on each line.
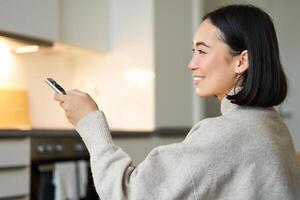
85 23
31 17
14 152
14 182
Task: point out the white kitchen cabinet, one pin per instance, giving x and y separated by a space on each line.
14 182
14 168
85 23
31 17
14 152
74 22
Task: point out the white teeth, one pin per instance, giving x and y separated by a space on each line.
198 78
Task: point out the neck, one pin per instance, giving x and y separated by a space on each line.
230 91
221 97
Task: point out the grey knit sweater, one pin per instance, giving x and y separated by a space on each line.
246 153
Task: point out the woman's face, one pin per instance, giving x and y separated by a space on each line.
212 65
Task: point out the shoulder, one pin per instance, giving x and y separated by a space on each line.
170 150
246 131
243 119
215 126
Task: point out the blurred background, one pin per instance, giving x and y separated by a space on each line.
131 56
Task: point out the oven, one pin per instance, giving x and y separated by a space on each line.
49 149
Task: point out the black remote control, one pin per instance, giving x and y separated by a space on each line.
55 86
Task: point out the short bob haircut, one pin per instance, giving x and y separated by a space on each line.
246 27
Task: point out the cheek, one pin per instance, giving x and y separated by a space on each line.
209 64
223 74
217 69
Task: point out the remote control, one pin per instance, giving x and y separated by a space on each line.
55 86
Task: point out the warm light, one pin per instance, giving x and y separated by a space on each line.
91 88
138 77
5 61
27 49
4 47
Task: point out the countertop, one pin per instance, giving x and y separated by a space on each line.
162 132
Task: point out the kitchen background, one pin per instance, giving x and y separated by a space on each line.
131 57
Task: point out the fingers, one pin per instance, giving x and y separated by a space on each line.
75 92
76 104
60 97
63 98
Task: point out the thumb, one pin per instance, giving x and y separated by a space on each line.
60 97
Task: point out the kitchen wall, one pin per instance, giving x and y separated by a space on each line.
173 85
29 71
286 19
121 80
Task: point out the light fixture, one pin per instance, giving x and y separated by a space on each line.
20 43
27 49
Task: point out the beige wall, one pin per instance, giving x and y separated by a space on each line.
124 77
29 71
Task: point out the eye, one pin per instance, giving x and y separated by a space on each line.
201 52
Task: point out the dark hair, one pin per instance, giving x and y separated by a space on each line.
246 27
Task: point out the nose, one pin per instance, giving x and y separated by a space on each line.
193 64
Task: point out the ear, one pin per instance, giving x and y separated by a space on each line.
242 62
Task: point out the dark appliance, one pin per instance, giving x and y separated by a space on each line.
48 148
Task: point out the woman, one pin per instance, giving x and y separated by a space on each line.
246 153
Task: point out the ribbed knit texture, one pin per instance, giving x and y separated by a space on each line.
247 153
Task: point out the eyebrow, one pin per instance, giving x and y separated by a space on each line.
201 43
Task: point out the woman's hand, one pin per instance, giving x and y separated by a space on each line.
76 105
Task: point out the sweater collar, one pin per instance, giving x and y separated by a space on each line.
226 104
